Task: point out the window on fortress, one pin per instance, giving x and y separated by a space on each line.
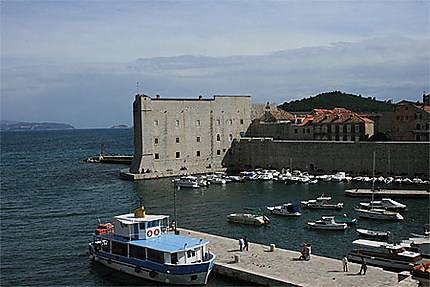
198 139
177 140
197 122
155 123
218 138
230 137
155 140
218 122
178 154
295 131
198 153
230 121
177 123
418 126
218 152
156 156
241 121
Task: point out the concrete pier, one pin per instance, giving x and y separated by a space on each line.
360 192
282 267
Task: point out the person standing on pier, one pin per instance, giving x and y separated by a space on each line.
241 242
345 263
363 266
245 243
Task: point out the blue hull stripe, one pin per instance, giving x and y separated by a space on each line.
152 266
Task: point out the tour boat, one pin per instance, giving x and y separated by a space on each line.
372 233
384 203
321 203
186 182
286 209
141 245
248 218
327 223
379 214
384 255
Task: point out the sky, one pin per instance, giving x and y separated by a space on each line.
78 62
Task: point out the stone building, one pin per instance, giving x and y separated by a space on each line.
411 121
184 136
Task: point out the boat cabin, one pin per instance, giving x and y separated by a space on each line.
145 237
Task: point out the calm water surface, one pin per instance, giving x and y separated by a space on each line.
50 201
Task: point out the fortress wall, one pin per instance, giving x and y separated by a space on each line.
392 158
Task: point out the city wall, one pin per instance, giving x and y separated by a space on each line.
392 158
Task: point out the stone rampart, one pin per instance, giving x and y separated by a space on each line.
392 158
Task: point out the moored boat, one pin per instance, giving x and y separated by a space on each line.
141 245
372 233
321 203
287 209
378 214
384 203
327 223
186 182
381 254
248 218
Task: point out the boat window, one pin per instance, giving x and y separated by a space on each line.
142 225
137 252
191 253
155 255
154 223
106 245
174 258
119 248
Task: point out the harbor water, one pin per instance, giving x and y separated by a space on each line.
50 201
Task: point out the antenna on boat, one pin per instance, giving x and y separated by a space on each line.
174 210
373 179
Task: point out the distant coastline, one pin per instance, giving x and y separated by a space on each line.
26 126
120 127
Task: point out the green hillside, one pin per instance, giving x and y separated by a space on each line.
337 99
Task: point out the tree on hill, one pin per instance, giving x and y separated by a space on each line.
337 99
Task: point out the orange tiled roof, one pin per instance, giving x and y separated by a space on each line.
337 115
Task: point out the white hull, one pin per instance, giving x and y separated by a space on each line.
285 213
381 262
327 227
379 215
183 279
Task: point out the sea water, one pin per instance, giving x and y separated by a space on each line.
50 201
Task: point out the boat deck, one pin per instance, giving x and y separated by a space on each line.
282 267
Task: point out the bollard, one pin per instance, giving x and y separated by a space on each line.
272 247
236 258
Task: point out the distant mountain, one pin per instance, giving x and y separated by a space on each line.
338 99
120 127
6 125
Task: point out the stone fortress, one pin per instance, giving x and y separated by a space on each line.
176 136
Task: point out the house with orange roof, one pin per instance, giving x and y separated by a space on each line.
411 120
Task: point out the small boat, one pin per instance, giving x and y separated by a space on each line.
384 203
372 233
321 203
327 223
347 220
140 244
378 214
287 209
422 273
186 182
248 218
385 255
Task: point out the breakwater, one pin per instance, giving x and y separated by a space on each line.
392 158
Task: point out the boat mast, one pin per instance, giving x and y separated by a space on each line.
373 179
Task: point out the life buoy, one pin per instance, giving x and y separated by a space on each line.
156 232
149 233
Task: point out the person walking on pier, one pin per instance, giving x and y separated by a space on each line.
363 266
345 263
241 242
245 243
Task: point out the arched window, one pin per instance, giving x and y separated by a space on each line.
218 138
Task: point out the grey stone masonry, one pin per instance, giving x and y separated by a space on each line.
185 136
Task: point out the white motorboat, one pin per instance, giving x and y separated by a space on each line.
378 214
327 223
384 203
287 209
321 203
384 255
186 182
140 244
248 218
372 233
